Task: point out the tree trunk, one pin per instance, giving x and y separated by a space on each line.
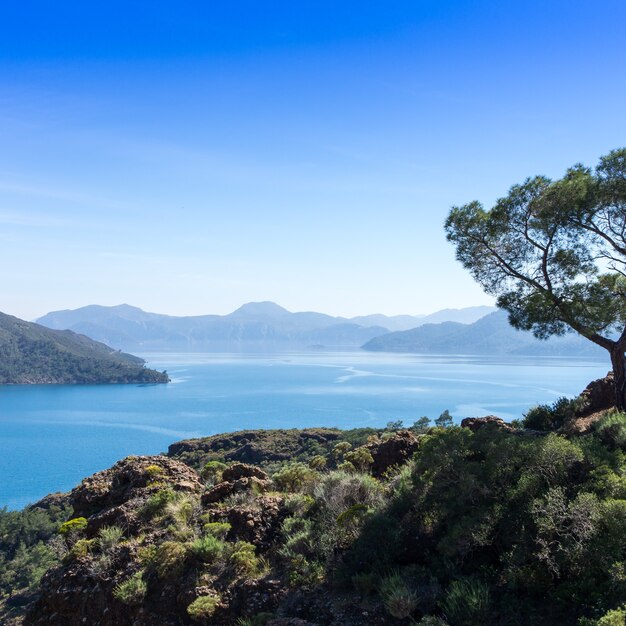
618 361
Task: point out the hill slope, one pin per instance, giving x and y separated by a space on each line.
30 353
489 335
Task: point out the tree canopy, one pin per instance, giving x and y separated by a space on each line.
554 254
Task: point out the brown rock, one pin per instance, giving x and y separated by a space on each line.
474 423
396 450
128 479
242 470
599 395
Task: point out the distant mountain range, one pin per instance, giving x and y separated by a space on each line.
491 334
30 353
256 326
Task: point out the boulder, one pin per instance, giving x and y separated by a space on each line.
599 395
474 423
396 450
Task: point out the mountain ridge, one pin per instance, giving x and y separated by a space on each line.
255 326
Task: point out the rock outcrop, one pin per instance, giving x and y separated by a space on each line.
493 421
598 395
395 451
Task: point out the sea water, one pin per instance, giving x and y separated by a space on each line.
52 436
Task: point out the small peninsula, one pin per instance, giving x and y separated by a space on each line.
33 354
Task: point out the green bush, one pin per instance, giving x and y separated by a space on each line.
466 602
132 590
612 431
157 502
551 417
399 598
109 537
217 529
170 558
212 471
203 608
208 548
243 559
73 526
82 548
294 476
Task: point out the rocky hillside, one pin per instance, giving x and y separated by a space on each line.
487 523
30 353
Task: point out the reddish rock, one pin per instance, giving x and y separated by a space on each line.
599 395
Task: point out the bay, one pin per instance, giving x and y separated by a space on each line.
52 436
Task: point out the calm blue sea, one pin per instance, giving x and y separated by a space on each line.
53 436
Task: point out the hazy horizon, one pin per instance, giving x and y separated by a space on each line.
188 159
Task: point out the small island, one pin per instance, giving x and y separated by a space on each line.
33 354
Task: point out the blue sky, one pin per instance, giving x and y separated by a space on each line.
189 157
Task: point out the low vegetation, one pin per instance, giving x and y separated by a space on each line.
488 525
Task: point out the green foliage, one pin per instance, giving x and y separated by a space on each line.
466 602
294 477
400 600
169 558
422 424
157 502
444 420
109 537
73 526
208 548
243 559
154 471
203 608
82 548
552 417
612 431
395 425
32 353
361 458
217 529
132 590
554 254
318 462
212 471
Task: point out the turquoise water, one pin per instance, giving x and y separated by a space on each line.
53 436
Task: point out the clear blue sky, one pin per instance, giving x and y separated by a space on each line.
187 157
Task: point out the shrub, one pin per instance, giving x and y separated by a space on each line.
73 526
400 600
169 558
466 602
318 462
365 583
180 510
551 417
212 471
340 449
132 590
361 458
260 619
612 431
207 548
154 471
217 529
203 607
294 476
244 560
157 502
109 537
82 548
